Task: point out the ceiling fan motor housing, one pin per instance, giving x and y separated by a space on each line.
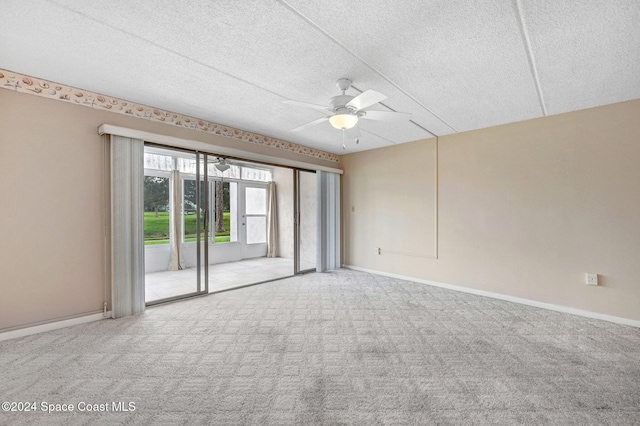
338 104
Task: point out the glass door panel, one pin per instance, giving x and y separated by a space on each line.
193 217
175 200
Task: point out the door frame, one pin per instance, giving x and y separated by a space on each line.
202 253
250 250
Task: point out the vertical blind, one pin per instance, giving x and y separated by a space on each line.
127 226
328 253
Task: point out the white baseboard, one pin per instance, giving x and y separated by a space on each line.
27 331
528 302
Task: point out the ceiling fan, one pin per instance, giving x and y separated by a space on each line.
344 110
222 164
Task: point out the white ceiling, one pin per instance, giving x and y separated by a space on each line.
455 65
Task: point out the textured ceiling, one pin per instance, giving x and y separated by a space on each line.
455 65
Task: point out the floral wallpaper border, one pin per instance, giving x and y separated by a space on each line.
46 89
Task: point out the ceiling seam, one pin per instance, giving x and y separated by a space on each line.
530 58
391 109
173 52
365 63
167 49
376 135
423 128
135 36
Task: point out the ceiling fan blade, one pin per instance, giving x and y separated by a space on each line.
313 123
366 99
322 108
386 116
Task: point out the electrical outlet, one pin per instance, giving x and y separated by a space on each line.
592 279
379 250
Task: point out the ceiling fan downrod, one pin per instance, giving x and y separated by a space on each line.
343 84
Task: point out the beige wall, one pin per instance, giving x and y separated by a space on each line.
54 248
524 209
284 197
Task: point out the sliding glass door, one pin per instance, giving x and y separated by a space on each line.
176 225
212 224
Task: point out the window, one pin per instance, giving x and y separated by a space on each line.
156 210
222 190
190 211
256 214
223 218
250 173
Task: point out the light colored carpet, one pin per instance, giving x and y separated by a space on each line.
343 347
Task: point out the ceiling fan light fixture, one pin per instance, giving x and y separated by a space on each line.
343 121
222 165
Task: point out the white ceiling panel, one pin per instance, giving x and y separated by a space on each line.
465 60
453 65
587 52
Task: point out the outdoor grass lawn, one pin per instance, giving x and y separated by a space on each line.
156 229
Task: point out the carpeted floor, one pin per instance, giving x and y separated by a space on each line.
343 347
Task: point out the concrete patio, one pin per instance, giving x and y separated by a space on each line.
222 276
